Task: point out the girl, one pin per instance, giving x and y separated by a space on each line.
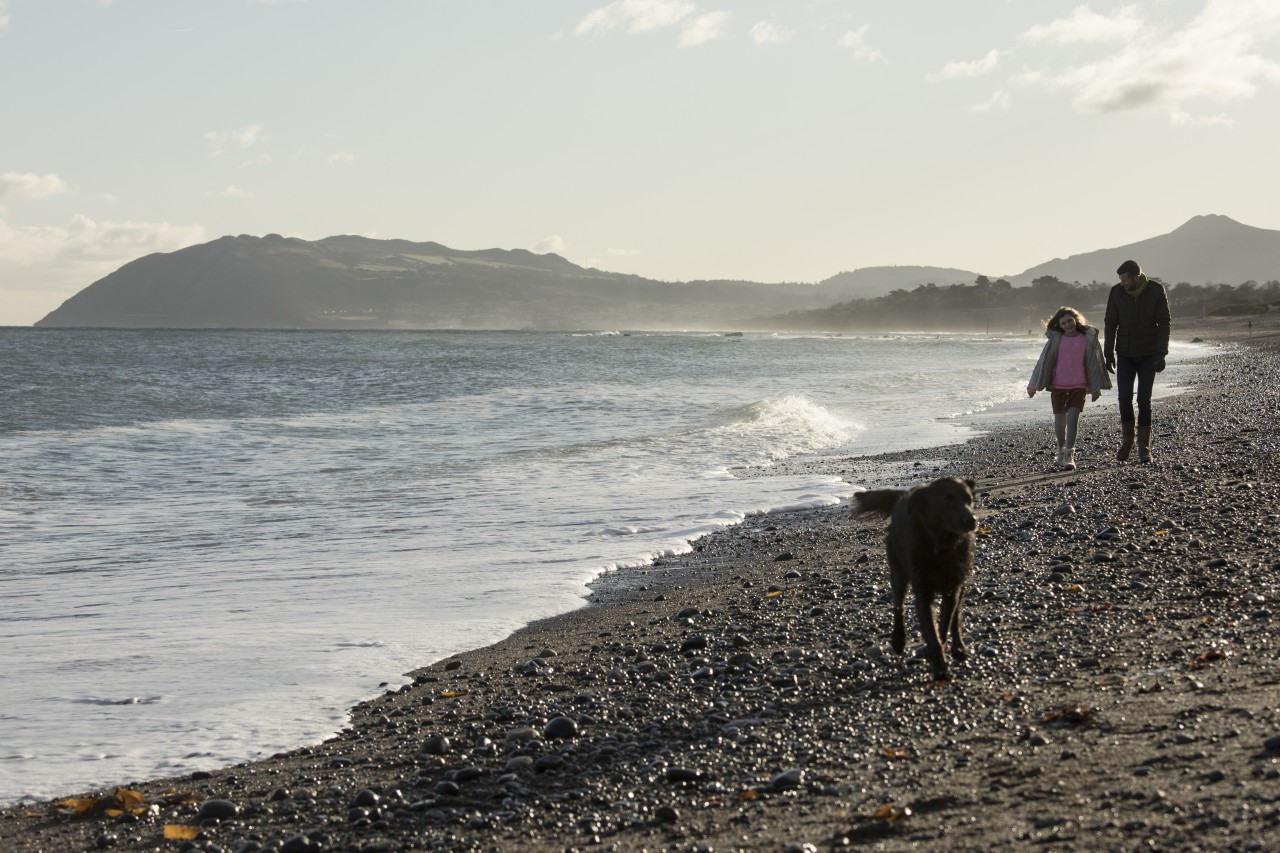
1070 364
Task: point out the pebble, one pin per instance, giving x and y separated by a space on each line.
217 810
437 745
787 779
560 727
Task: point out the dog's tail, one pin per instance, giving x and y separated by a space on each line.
877 501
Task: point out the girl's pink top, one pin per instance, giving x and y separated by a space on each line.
1069 370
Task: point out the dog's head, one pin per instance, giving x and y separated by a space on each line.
945 505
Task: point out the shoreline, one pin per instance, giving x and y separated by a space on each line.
687 706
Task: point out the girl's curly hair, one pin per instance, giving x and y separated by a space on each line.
1052 323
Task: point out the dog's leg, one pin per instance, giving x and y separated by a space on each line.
898 580
959 650
946 615
949 623
929 628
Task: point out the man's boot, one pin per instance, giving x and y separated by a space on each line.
1144 444
1126 441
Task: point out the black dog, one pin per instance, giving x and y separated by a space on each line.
930 548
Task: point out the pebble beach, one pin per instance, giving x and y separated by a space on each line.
1122 690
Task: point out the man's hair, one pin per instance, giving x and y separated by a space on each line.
1130 267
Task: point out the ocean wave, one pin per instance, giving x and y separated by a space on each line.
787 426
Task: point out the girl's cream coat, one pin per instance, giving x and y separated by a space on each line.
1095 369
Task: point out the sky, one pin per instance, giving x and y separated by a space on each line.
673 139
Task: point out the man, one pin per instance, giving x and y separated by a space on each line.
1137 342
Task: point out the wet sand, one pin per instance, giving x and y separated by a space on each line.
1123 688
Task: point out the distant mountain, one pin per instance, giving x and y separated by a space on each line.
349 282
869 282
1206 249
359 283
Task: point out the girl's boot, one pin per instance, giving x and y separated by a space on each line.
1144 444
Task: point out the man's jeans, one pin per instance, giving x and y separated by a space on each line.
1127 369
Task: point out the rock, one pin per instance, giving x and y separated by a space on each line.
666 814
694 643
787 779
299 844
217 810
560 727
437 745
366 799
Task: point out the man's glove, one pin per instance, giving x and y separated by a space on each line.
1160 364
1111 362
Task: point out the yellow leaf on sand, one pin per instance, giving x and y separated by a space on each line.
774 594
178 832
129 798
453 694
79 806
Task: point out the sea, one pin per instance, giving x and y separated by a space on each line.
215 543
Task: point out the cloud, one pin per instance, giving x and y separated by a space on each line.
998 101
342 157
1085 25
85 240
230 191
554 243
976 68
856 41
245 137
29 185
1220 56
635 16
704 28
1186 119
57 261
769 33
1216 58
4 19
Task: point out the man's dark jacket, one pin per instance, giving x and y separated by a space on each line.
1137 328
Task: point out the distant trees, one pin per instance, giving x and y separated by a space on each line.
999 305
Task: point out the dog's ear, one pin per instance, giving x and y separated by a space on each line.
973 487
